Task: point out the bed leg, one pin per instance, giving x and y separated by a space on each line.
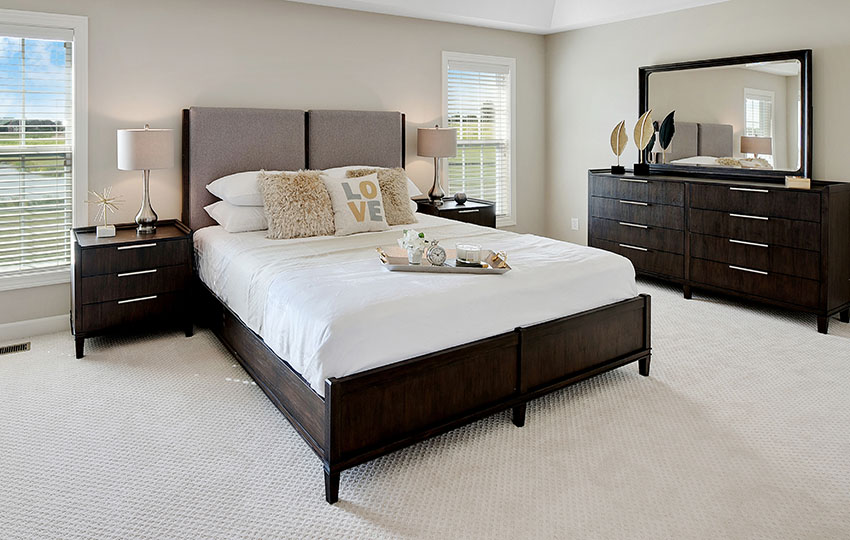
518 415
331 487
686 292
643 366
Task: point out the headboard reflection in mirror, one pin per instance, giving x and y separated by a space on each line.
747 116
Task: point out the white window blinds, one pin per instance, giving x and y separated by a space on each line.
478 101
36 109
759 113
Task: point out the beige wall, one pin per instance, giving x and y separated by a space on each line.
592 83
150 59
716 96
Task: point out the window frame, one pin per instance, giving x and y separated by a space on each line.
78 24
502 61
767 95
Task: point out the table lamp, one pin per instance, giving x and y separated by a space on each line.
756 145
143 150
437 143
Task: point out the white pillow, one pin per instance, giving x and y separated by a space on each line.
236 219
413 206
357 204
412 189
239 189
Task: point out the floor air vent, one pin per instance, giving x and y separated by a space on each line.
18 347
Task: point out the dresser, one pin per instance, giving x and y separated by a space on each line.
759 241
129 279
475 211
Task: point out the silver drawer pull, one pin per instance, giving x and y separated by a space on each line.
748 243
467 211
751 190
140 272
634 203
137 246
742 269
633 180
625 224
745 216
140 299
627 246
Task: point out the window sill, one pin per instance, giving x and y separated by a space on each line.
35 279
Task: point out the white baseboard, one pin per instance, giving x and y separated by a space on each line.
34 327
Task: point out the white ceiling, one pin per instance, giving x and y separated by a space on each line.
534 16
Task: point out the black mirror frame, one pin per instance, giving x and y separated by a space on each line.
803 56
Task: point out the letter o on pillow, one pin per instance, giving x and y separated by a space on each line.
368 189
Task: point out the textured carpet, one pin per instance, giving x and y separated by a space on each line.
740 432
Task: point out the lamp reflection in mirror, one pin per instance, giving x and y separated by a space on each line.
143 150
756 145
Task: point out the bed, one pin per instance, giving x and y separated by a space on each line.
702 144
363 361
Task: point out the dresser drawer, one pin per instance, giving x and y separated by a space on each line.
753 228
773 259
789 289
105 314
639 212
635 189
645 259
133 284
668 240
758 201
131 257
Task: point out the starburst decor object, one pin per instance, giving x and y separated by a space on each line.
106 204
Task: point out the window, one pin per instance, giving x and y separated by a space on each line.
478 100
40 146
759 111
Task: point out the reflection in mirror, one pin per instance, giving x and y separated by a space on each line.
743 116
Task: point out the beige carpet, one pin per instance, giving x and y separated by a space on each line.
742 431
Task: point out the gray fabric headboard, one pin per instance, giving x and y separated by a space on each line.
715 140
339 138
684 143
222 141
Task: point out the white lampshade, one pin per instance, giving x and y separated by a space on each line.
141 149
436 142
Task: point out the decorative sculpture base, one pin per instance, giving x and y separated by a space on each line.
641 169
618 169
105 231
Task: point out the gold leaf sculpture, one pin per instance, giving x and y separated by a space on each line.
619 139
644 130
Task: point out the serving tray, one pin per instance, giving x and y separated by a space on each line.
394 259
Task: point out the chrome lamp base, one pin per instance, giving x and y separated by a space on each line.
436 192
146 218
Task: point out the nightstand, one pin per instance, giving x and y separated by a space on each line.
129 279
476 211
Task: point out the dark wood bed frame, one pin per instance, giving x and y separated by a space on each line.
375 412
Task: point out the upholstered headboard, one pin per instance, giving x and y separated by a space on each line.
715 140
684 143
222 141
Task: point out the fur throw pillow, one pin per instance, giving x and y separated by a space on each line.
297 205
393 183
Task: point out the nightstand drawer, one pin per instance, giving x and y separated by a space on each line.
117 312
132 284
477 216
131 257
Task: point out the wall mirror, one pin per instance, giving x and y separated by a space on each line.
746 116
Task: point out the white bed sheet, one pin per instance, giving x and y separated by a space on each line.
327 306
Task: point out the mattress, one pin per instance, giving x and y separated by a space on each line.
328 307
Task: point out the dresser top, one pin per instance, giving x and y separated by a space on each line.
817 185
126 234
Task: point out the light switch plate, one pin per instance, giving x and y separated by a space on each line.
575 223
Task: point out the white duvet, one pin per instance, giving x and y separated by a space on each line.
328 307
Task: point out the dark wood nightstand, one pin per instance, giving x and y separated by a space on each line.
476 211
129 278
